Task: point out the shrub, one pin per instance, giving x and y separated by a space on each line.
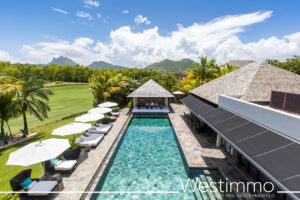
59 82
130 104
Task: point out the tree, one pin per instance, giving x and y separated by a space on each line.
105 84
204 70
8 87
32 98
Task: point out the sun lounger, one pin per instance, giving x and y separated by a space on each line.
115 114
65 165
100 129
61 166
92 140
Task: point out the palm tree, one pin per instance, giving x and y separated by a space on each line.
8 87
32 98
104 85
204 70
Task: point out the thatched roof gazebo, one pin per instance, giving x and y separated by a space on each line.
150 97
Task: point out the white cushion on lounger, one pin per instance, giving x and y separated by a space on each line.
42 186
93 142
115 113
65 165
100 128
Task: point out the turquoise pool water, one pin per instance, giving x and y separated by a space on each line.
148 159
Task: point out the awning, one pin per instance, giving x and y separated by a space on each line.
276 156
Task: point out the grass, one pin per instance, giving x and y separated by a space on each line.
44 132
67 100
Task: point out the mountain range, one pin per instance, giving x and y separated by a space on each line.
104 65
172 66
163 66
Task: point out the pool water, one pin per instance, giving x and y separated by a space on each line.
148 159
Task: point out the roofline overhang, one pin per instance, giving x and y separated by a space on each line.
293 196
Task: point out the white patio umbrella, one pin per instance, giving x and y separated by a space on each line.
71 128
100 110
108 104
37 152
178 93
89 117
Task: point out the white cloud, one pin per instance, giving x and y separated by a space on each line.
125 11
4 56
139 19
217 39
60 11
98 15
90 3
84 15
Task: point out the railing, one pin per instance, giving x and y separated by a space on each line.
288 102
277 120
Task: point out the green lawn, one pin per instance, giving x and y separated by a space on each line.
67 100
44 132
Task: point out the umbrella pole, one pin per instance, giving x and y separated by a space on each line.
45 172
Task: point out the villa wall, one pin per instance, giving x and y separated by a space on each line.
282 122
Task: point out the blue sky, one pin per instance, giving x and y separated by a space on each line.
35 31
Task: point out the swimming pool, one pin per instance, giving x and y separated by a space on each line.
148 159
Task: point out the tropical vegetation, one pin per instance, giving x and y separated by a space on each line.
32 97
291 64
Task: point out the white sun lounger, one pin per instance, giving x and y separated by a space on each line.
100 129
65 165
115 114
92 140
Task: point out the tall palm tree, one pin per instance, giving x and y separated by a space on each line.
204 70
104 85
32 98
8 87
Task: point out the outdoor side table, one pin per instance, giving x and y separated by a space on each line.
58 177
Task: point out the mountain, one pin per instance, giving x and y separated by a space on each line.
62 61
104 65
172 66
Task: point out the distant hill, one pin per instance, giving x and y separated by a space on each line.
62 61
172 66
104 65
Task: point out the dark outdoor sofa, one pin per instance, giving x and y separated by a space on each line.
72 154
35 187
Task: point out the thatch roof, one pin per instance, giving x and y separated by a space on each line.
253 82
240 63
151 89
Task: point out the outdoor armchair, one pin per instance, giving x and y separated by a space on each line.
72 154
32 191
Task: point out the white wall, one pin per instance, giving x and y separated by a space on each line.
283 122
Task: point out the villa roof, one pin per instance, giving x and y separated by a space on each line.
253 82
240 63
151 89
273 154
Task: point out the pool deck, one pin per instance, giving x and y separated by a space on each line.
199 149
83 174
196 155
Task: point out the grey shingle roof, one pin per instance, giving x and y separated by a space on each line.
240 63
151 89
253 82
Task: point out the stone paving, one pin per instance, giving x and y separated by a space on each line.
194 152
83 174
199 148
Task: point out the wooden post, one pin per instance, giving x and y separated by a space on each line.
218 142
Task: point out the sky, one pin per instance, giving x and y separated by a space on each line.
136 33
